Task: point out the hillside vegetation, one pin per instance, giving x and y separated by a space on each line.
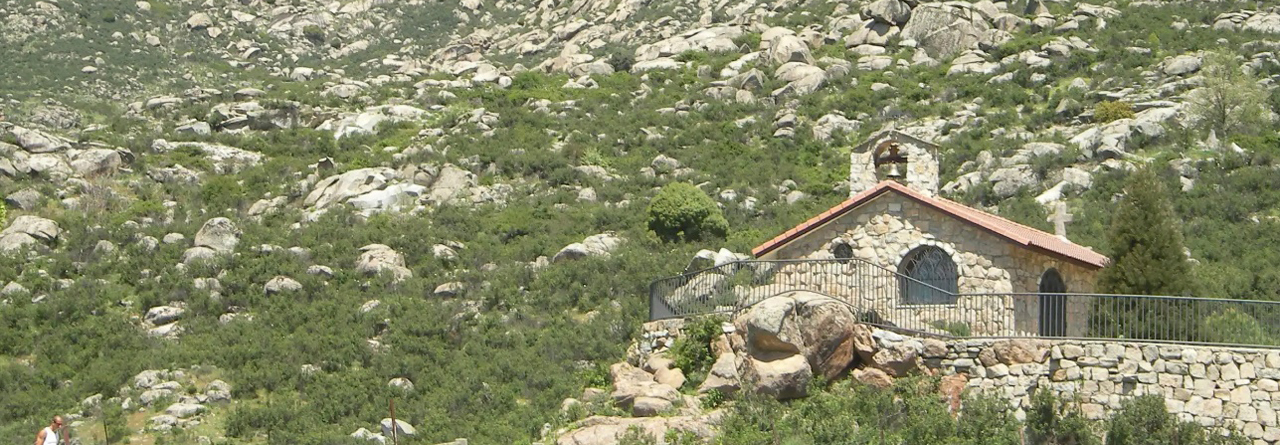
292 212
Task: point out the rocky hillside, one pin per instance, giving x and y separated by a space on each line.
263 220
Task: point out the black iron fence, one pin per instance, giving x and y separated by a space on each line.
886 298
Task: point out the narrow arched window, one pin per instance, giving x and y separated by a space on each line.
928 276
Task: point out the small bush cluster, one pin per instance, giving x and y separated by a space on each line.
692 351
1108 111
913 412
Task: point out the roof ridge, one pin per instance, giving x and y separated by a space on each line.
1003 227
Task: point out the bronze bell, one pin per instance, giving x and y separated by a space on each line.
893 172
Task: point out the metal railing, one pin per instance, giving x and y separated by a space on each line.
883 297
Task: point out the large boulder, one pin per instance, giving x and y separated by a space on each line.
339 188
1184 64
451 185
894 354
224 159
706 259
400 428
219 234
184 410
821 329
723 376
793 71
367 121
28 230
789 48
601 430
944 30
893 12
595 245
783 379
873 377
160 315
1008 181
35 141
378 258
199 21
43 229
645 406
631 383
281 284
97 161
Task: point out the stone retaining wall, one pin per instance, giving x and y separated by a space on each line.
1212 386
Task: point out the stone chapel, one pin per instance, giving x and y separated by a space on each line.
947 262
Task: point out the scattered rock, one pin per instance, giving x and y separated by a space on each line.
25 199
1180 65
401 428
873 377
184 410
219 234
28 230
161 315
401 383
450 289
35 141
595 245
378 258
281 284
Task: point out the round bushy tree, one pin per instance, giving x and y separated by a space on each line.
683 212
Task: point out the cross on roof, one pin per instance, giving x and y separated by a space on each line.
1060 218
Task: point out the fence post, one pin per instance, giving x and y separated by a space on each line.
653 294
395 426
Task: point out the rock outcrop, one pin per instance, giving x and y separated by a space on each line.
376 259
29 231
789 338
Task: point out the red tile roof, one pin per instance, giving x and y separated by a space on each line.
1009 230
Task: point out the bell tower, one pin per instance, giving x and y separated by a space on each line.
890 155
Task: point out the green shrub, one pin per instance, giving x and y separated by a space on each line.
636 435
714 399
1053 421
1108 111
114 422
955 328
911 412
682 211
313 33
595 376
692 351
1234 326
676 436
1144 420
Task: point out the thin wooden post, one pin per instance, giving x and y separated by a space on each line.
395 435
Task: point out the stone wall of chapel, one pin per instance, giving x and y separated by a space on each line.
885 229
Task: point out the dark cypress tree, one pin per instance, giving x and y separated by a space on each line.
1147 258
1147 254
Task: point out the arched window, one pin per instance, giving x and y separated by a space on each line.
842 251
928 277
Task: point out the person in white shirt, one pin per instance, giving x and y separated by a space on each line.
49 435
